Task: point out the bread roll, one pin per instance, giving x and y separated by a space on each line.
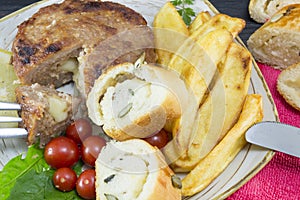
134 170
135 102
277 42
262 10
288 85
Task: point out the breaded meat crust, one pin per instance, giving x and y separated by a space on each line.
60 31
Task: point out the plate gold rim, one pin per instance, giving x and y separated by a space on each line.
270 153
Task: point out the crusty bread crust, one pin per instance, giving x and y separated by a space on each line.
256 10
164 188
153 118
60 31
262 10
288 85
158 184
277 42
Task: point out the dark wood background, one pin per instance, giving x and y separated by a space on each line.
235 8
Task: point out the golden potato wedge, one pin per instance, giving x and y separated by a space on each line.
199 20
196 61
219 158
221 109
236 79
168 27
197 69
232 24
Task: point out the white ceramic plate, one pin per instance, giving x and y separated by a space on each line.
246 164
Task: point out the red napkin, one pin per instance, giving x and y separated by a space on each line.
280 179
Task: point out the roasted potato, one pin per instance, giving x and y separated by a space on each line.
232 24
170 32
221 108
219 158
210 131
199 20
197 69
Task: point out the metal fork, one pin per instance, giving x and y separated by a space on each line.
11 132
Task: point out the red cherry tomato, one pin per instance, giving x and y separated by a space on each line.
85 185
159 140
64 179
80 150
61 152
79 130
91 148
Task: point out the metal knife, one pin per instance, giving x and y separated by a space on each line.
277 136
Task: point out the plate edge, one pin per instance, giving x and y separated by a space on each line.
270 153
14 13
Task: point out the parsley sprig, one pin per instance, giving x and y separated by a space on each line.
186 12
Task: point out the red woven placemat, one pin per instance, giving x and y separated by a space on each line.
280 179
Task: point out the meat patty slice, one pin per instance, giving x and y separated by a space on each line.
59 32
123 47
45 112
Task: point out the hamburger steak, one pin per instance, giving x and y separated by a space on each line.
59 32
45 111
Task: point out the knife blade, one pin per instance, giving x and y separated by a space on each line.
277 136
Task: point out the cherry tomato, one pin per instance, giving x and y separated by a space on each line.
85 185
61 152
91 148
79 130
64 179
80 150
159 140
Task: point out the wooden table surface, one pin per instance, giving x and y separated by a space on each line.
235 8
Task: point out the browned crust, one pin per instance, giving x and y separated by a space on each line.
36 119
63 29
281 87
123 47
276 43
163 188
171 108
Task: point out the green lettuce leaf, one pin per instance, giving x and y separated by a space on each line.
31 178
18 166
39 186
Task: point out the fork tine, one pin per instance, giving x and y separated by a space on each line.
9 106
5 119
13 133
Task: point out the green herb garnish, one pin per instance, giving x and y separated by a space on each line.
186 12
176 182
125 110
110 197
109 178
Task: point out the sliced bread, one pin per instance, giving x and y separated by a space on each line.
277 42
262 10
135 102
288 85
134 170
